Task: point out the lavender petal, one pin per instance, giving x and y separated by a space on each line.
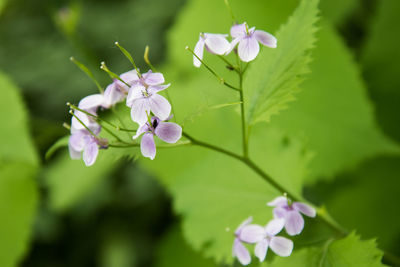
147 146
168 132
266 38
281 246
261 249
160 106
305 209
248 48
294 222
240 251
198 51
252 233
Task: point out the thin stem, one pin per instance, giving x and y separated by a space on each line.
243 117
178 144
88 73
112 75
118 128
230 65
129 57
228 6
248 162
221 80
148 62
114 135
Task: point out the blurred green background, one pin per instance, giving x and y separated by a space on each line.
56 212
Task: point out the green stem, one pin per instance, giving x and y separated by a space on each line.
221 80
118 128
324 216
243 117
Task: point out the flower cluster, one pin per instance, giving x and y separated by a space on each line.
141 94
286 215
246 39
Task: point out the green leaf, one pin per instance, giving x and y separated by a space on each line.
174 251
381 71
349 252
338 11
70 180
18 203
18 165
333 114
16 142
364 192
275 76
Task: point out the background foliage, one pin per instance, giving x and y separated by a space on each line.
335 140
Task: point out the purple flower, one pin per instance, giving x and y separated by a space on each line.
294 222
82 141
89 104
265 237
143 98
167 131
239 250
117 90
248 41
214 43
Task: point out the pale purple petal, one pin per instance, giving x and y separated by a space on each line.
243 224
216 44
265 38
140 109
261 249
76 140
134 93
129 77
157 88
74 154
199 51
168 132
142 129
252 233
248 48
278 202
91 102
233 44
112 95
147 146
274 226
160 106
281 246
305 209
151 78
90 153
238 30
294 222
240 251
279 212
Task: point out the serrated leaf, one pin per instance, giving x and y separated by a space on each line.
349 252
333 114
274 78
